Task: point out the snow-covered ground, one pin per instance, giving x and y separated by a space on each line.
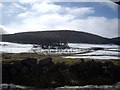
101 52
94 57
110 51
82 45
7 47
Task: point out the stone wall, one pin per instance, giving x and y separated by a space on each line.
45 73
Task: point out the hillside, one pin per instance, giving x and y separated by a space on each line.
46 37
116 40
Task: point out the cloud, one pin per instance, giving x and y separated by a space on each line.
46 7
1 13
18 6
36 1
2 30
11 9
49 16
0 5
83 11
110 5
26 1
96 25
100 26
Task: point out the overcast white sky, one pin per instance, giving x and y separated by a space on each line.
99 18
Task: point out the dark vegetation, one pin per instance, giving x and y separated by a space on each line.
45 73
51 38
116 40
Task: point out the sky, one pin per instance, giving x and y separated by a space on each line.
100 18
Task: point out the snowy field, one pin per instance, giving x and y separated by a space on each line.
81 45
94 57
6 47
109 51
